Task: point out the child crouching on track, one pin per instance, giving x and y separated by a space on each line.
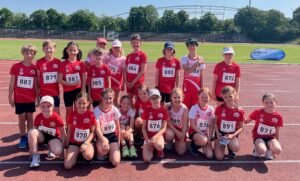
48 129
80 132
108 128
228 123
127 127
22 91
178 124
201 124
265 133
154 126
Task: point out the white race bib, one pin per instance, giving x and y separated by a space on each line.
202 124
72 78
107 128
154 125
196 72
265 130
25 82
49 77
113 68
97 83
228 78
228 126
133 68
47 130
81 135
168 72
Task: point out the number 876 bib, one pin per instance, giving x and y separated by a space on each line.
154 125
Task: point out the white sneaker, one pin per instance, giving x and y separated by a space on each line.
255 154
269 155
35 161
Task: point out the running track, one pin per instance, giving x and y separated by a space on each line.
282 80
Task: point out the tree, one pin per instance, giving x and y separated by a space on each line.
39 19
169 21
20 20
55 19
83 20
209 22
296 16
142 18
6 17
183 18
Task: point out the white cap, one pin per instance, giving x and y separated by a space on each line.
116 43
154 92
47 99
228 50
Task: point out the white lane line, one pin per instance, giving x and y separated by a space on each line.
165 161
278 91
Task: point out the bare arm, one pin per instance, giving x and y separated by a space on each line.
213 89
144 130
277 133
142 72
156 77
177 78
11 90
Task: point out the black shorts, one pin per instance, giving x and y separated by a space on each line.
266 140
75 144
56 100
165 97
96 103
223 134
48 137
220 99
24 108
70 97
112 137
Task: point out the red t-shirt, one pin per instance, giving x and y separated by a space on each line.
97 79
265 123
228 119
134 63
80 125
167 73
227 75
48 71
140 106
72 72
24 88
49 125
154 119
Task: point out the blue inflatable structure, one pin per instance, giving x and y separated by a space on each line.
267 54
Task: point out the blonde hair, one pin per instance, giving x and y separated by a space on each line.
48 43
205 90
28 47
177 90
270 96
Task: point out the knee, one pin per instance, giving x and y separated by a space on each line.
88 156
169 135
115 162
234 147
219 157
201 142
277 150
181 151
33 133
210 155
68 165
57 150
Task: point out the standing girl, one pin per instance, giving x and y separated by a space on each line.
72 75
22 93
178 124
135 66
193 66
127 127
228 123
201 124
154 126
167 72
80 132
98 77
48 129
226 73
116 62
108 128
265 133
47 71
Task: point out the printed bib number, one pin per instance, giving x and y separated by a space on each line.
108 128
133 68
265 130
81 135
97 83
72 78
25 82
50 77
168 72
176 122
47 130
227 126
228 78
154 125
113 68
196 72
202 124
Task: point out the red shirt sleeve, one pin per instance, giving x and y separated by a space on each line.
280 121
216 69
238 71
157 64
253 115
37 121
89 75
83 68
59 121
145 115
69 120
166 115
61 68
93 119
13 70
143 57
108 72
178 66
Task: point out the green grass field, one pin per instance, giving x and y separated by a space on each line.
10 50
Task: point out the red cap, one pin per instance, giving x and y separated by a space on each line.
101 40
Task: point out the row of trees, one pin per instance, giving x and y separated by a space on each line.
259 25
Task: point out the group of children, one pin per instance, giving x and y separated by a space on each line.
164 116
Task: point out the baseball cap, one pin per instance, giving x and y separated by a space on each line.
47 99
154 92
101 40
169 44
228 50
191 41
116 43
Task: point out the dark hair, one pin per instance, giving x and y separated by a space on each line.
164 51
143 87
227 89
106 91
82 95
65 53
136 37
270 96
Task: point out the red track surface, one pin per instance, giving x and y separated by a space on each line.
282 80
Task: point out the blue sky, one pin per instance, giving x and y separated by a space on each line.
110 7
